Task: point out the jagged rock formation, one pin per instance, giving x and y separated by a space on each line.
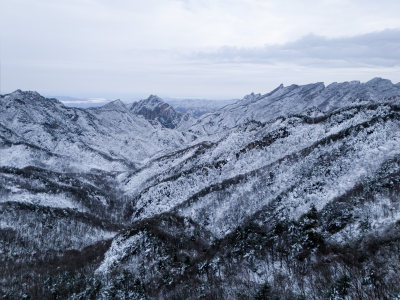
154 108
293 194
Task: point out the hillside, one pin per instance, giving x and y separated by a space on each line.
292 194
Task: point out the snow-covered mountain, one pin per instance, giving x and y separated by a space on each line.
293 194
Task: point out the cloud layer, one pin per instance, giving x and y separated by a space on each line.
175 48
380 49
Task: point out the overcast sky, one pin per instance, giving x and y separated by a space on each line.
201 49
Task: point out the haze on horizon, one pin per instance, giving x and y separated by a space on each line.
195 49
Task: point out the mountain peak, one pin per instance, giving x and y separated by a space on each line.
115 105
154 98
379 82
154 108
152 102
29 97
25 94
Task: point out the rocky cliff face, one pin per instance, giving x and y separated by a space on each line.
155 109
292 194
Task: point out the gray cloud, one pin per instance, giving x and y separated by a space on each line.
380 49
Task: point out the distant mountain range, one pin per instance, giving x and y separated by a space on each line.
198 107
293 194
192 107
